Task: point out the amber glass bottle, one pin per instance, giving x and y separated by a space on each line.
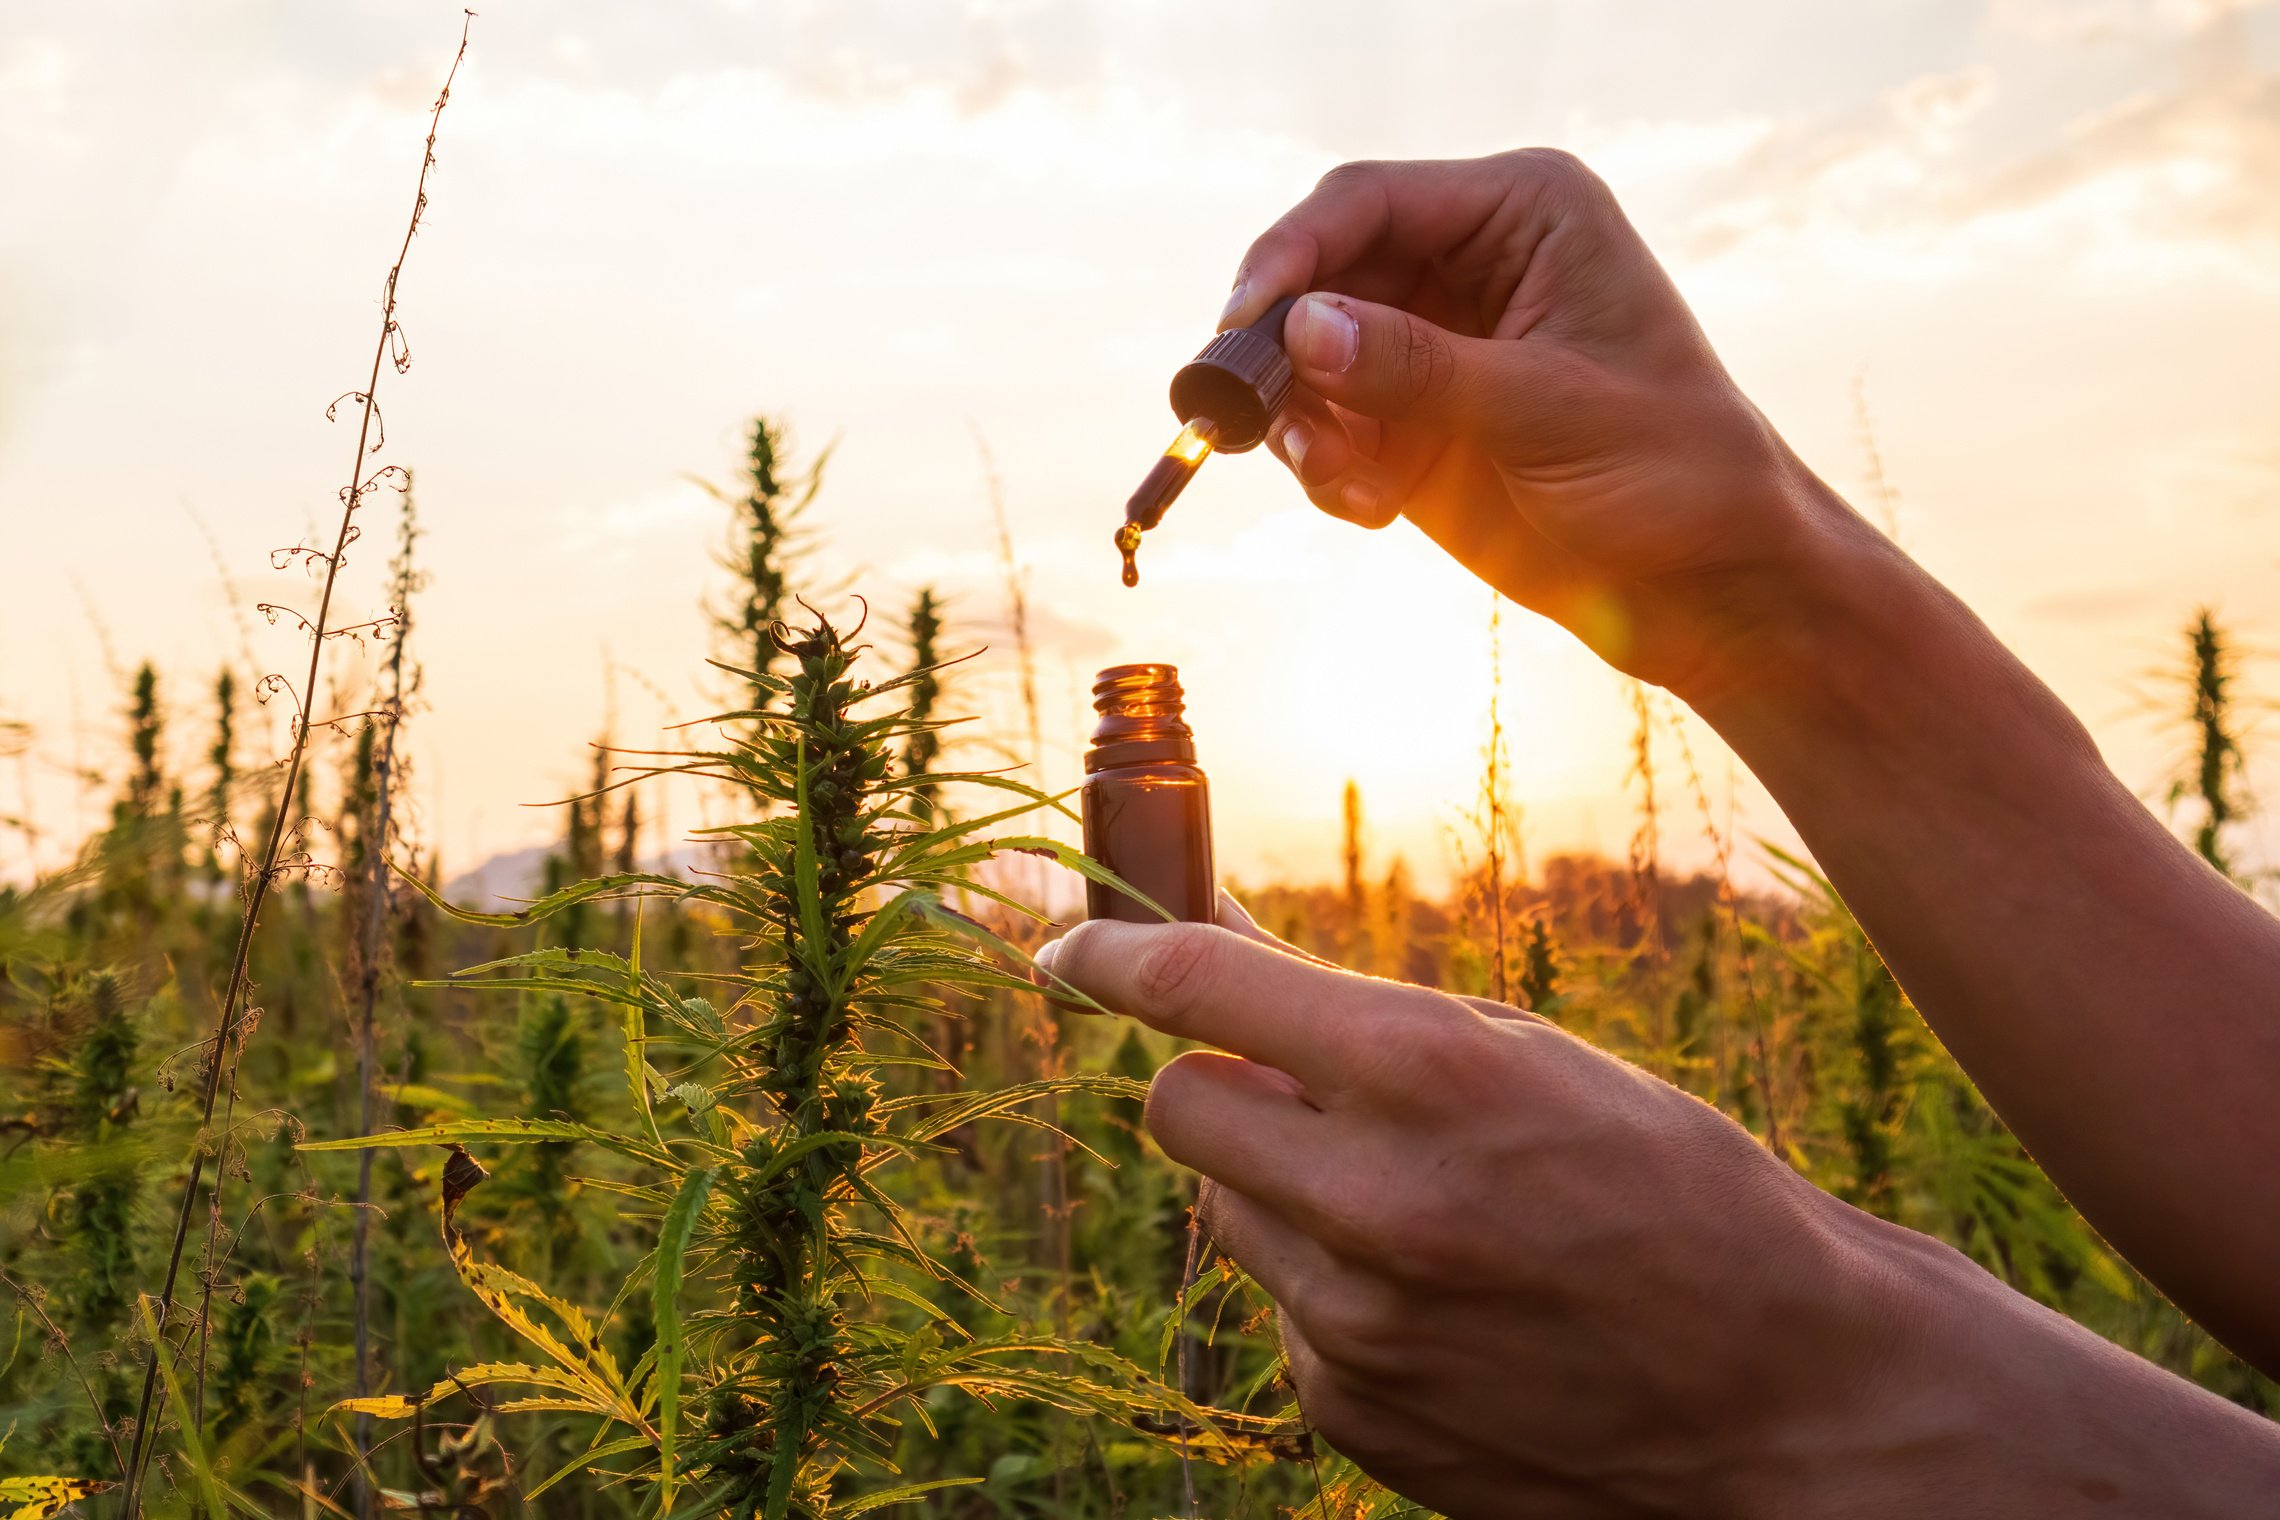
1147 806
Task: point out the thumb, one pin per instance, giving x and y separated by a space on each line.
1383 362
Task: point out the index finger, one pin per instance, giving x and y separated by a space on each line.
1316 1022
1409 212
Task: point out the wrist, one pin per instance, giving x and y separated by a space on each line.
1969 1399
1820 595
1836 644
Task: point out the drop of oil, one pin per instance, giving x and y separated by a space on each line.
1128 545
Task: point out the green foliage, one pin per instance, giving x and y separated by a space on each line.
146 782
1539 982
221 758
97 1214
764 550
922 747
2214 775
248 1352
795 1300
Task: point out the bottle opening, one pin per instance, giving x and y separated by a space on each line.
1143 717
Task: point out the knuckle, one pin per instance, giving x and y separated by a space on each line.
1355 1323
1166 1105
1349 1216
1407 1229
1560 174
1352 175
1558 166
1174 972
1410 1051
1422 362
1425 1240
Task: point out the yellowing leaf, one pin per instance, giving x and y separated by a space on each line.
386 1406
38 1498
398 1406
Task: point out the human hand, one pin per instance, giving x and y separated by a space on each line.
1520 1277
1492 352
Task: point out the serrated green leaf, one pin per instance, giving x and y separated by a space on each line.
585 1459
498 1132
909 1491
672 1249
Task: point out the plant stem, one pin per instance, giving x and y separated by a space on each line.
257 889
25 1298
1492 786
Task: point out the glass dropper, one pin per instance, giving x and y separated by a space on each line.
1228 396
1161 487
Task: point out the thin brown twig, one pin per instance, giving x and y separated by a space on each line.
24 1296
1180 1341
257 891
1493 780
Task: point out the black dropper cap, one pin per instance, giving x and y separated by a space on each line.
1238 382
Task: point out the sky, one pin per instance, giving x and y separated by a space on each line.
2005 272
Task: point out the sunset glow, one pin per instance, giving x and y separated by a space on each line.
2034 246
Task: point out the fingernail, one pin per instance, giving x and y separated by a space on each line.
1294 441
1235 299
1361 500
1328 336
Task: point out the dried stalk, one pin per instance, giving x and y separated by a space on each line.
226 1029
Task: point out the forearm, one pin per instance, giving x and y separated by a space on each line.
1987 1404
2113 997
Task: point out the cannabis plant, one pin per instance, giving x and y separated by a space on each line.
792 1298
924 746
765 546
2216 774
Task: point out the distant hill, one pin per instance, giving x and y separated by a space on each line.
513 878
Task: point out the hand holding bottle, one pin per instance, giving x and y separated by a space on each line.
1521 1277
1490 350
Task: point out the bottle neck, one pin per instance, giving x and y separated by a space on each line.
1143 718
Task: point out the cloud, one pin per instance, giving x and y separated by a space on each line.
2197 163
1051 632
1876 173
2100 21
868 52
2163 182
675 511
